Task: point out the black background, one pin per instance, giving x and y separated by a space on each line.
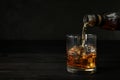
32 38
51 20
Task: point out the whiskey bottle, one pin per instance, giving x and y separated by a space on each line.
107 21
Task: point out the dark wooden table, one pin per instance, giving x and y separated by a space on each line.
33 60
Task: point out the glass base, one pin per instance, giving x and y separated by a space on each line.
81 71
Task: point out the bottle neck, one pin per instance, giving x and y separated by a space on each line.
93 20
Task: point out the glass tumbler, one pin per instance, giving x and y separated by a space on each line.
81 59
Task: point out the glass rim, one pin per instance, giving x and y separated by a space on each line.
91 34
73 35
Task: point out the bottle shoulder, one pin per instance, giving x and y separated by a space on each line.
113 15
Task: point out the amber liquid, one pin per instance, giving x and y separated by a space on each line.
111 25
77 59
111 22
83 34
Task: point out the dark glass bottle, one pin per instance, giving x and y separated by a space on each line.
107 21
